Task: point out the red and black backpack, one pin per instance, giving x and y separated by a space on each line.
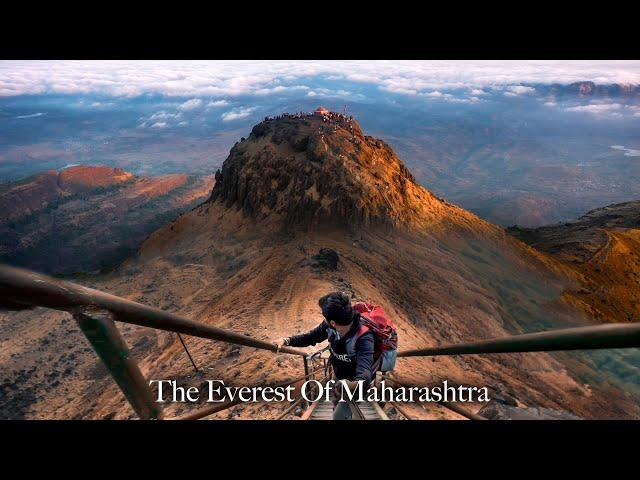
374 319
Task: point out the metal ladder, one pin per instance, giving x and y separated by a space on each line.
323 410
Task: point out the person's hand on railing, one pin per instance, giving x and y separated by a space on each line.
281 342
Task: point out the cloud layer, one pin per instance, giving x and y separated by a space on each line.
237 114
235 78
608 109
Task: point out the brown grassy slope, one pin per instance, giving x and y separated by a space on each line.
83 177
603 248
242 261
30 195
97 227
36 192
438 290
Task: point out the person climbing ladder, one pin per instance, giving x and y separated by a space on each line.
361 340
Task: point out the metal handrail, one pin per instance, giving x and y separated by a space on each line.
577 338
105 338
25 288
20 288
317 354
299 399
290 408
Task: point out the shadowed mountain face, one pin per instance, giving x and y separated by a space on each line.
579 240
247 260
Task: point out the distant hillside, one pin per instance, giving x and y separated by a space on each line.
86 218
604 247
37 192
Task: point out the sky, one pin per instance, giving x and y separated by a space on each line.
236 78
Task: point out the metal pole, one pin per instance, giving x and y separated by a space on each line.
579 338
188 354
306 365
23 287
106 340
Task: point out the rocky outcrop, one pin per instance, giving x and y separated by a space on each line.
326 258
311 170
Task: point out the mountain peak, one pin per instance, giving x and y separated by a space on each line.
313 168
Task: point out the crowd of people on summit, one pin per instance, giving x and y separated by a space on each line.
332 119
327 116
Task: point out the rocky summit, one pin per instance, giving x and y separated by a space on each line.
318 168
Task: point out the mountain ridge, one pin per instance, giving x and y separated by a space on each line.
305 170
445 275
241 261
84 218
603 246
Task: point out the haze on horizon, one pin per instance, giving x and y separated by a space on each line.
509 140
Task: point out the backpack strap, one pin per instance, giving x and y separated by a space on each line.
364 328
361 331
351 343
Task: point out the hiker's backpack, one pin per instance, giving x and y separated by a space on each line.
373 318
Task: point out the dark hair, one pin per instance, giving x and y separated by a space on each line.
336 306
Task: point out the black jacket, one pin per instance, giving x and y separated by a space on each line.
345 368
